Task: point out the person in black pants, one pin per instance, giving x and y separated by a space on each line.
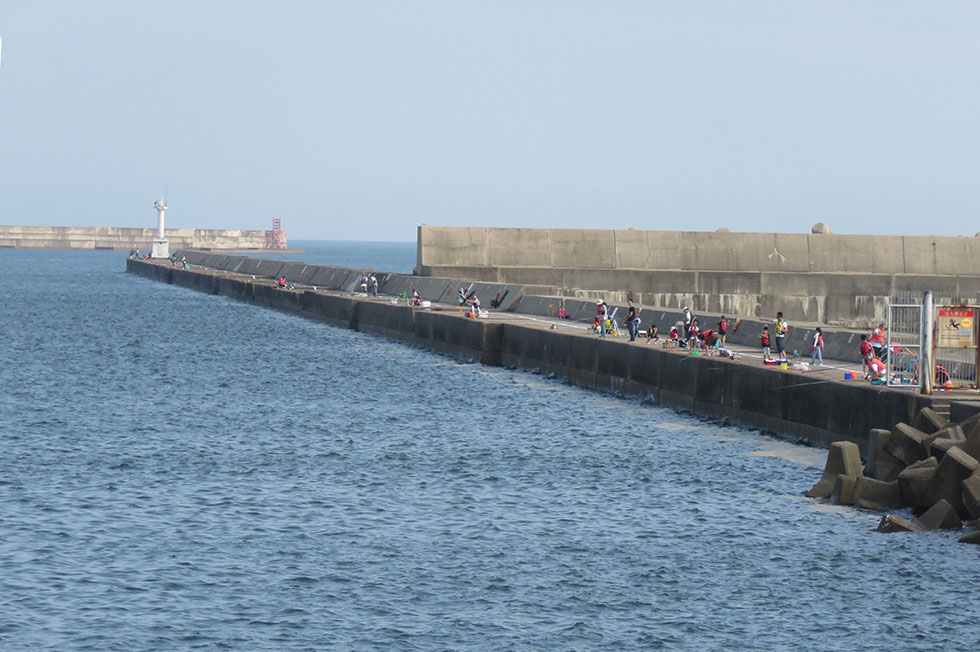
632 322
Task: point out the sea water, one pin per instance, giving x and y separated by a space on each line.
179 471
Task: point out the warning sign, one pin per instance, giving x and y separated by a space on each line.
956 327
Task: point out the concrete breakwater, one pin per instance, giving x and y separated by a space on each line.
839 344
784 402
124 238
929 466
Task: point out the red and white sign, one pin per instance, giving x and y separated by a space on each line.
956 327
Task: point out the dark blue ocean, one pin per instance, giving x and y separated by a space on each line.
182 472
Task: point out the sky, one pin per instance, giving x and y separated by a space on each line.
361 120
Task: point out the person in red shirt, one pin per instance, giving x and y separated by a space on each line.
876 368
878 341
709 339
866 352
722 329
693 335
764 341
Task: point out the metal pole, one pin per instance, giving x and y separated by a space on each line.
927 371
888 346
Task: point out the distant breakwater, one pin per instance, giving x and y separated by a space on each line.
786 403
83 238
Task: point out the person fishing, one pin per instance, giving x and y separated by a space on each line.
601 313
632 322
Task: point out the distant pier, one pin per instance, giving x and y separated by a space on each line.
126 238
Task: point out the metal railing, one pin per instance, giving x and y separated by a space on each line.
955 362
904 343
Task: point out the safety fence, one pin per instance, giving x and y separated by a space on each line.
955 349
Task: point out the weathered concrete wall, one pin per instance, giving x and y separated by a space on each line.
590 249
842 280
787 403
123 238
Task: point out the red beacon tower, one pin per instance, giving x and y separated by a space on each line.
276 238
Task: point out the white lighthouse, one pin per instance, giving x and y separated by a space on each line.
161 246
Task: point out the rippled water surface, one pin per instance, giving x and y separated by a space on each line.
180 471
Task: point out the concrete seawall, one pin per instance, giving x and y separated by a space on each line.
840 345
787 403
124 238
841 280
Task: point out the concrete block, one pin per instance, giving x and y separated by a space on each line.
750 390
322 278
506 295
250 266
193 257
877 495
972 444
915 482
947 484
440 245
887 468
843 493
957 256
971 496
968 423
938 447
892 523
843 458
773 252
954 433
534 276
709 385
920 255
876 450
663 250
928 421
351 281
633 249
533 248
299 273
856 285
395 284
234 263
612 365
269 268
545 306
941 516
906 444
646 366
716 251
973 537
433 289
832 253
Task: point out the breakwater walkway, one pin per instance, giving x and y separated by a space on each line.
794 405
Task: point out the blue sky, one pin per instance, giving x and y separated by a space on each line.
361 120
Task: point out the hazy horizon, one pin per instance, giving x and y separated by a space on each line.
358 122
